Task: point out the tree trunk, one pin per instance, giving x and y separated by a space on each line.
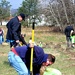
53 14
65 11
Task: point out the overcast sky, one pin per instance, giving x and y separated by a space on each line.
15 3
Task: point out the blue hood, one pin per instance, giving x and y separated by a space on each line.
40 55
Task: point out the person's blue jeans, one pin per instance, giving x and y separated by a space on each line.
0 39
17 63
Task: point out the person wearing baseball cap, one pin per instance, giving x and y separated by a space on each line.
14 29
22 16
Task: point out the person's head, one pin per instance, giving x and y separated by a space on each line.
21 17
50 60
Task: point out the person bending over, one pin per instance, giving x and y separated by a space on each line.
19 58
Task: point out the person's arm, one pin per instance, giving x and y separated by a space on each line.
16 29
22 40
42 69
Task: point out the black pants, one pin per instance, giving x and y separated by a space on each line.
13 44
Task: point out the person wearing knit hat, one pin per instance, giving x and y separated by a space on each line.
14 29
19 58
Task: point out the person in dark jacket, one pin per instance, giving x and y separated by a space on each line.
14 30
67 32
19 58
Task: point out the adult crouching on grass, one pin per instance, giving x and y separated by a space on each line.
19 58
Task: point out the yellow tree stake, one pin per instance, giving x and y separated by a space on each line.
31 62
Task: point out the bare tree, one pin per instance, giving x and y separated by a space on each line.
65 10
59 12
53 13
72 5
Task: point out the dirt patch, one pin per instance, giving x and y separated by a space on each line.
3 54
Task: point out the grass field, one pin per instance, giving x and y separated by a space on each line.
54 43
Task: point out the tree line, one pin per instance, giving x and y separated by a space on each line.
57 12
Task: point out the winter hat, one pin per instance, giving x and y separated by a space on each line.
22 15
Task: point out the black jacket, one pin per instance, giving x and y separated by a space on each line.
13 29
68 30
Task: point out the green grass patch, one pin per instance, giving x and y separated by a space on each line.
53 43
